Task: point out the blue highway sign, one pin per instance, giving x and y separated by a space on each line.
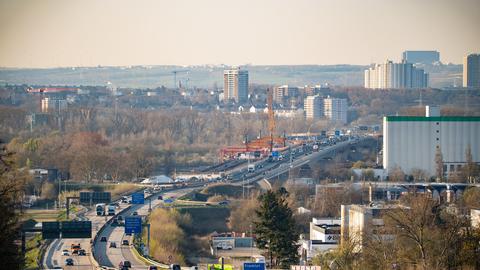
138 198
133 225
253 266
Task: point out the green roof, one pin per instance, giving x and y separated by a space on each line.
433 118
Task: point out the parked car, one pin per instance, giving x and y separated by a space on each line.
82 252
127 264
103 239
160 197
69 261
65 252
152 267
125 243
113 244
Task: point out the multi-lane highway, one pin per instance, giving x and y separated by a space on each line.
111 257
53 254
291 159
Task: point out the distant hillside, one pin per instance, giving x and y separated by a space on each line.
206 76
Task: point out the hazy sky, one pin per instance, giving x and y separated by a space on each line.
39 33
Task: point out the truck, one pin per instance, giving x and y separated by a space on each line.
100 208
111 210
251 167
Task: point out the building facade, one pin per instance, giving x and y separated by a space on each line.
395 75
422 57
282 94
411 142
335 109
235 85
471 71
53 105
313 107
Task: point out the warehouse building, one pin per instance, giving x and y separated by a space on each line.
411 142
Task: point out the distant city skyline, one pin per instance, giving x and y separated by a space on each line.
57 33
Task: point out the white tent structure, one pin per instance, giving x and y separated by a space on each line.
159 179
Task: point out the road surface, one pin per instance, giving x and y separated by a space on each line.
111 257
53 254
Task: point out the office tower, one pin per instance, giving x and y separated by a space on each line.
335 109
313 106
395 75
235 83
421 57
471 71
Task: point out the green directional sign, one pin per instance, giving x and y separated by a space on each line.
95 197
76 229
50 229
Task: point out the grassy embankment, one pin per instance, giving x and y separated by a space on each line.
33 252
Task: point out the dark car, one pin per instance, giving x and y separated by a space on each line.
127 264
69 261
223 203
160 197
103 239
113 244
82 252
125 243
119 218
135 213
175 267
152 267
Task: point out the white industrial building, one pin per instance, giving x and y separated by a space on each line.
411 142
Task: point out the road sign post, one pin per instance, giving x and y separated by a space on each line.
76 229
138 198
253 266
133 224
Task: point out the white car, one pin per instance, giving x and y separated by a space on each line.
65 253
224 245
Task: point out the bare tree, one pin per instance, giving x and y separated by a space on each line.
439 164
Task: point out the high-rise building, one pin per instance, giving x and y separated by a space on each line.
395 75
471 71
235 82
335 109
412 142
313 106
284 92
421 57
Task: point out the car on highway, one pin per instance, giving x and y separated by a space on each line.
82 252
135 213
69 261
65 253
119 217
175 267
113 245
103 239
127 264
125 243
